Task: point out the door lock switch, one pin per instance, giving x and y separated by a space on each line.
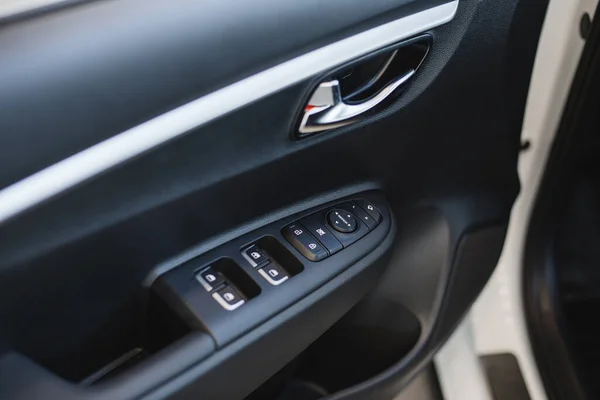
317 227
303 241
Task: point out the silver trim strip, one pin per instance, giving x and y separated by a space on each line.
224 304
10 8
271 280
99 158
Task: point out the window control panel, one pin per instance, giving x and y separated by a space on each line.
326 232
232 288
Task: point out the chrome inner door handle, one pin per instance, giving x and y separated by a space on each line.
327 110
353 92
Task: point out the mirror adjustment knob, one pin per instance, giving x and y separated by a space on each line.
342 221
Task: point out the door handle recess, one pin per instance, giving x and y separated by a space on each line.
333 112
340 100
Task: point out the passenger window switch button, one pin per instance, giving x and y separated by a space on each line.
229 298
274 274
210 279
256 256
304 242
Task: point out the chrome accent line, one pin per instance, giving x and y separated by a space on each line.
105 155
10 8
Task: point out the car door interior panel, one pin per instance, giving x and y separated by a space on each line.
251 199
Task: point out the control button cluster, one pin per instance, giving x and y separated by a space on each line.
304 242
324 233
319 229
316 237
267 268
224 293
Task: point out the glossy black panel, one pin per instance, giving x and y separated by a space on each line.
74 77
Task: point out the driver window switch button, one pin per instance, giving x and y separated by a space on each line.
228 298
274 274
303 241
317 227
255 256
209 278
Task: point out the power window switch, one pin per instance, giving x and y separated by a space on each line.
274 274
229 298
209 278
255 256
